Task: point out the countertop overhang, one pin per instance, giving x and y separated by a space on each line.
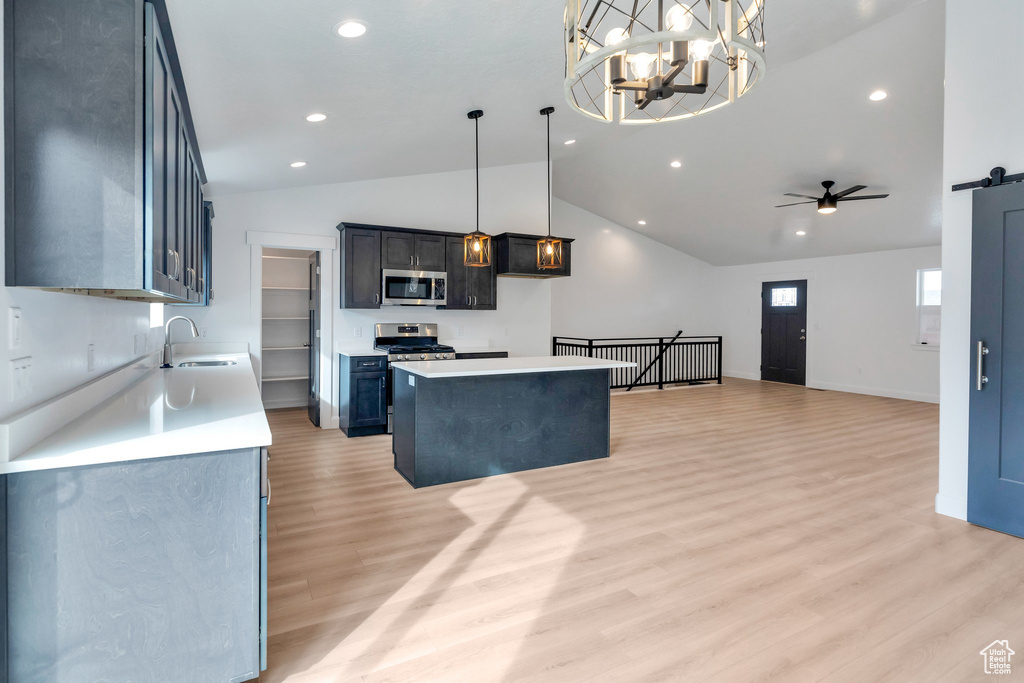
507 366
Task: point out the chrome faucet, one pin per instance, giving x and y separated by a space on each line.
167 338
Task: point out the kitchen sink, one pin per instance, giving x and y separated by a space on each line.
206 363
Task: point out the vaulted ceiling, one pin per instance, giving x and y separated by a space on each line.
397 98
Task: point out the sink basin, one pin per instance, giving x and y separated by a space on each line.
205 363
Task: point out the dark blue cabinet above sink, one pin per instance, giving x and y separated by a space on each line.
104 178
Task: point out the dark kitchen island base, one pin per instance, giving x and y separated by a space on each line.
456 428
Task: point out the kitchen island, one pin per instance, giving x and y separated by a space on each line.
463 419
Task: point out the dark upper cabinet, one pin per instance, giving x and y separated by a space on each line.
360 267
412 251
430 252
469 287
104 183
516 256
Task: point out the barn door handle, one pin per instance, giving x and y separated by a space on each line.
802 338
980 370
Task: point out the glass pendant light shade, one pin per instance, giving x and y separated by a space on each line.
477 249
477 245
549 253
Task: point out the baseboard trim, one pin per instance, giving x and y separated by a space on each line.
951 506
871 391
742 375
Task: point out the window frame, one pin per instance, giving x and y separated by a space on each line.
930 309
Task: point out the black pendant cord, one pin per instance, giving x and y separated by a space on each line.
548 116
476 125
547 112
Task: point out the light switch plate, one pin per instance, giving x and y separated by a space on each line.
13 329
90 360
412 380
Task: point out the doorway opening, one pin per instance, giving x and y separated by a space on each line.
784 331
290 334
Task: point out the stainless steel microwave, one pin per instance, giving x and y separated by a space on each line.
413 288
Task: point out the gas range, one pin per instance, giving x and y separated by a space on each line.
411 341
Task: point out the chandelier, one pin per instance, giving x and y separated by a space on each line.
648 61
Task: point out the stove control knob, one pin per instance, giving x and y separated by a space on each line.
423 356
437 355
403 357
444 355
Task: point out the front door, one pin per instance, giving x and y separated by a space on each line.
995 476
784 331
313 397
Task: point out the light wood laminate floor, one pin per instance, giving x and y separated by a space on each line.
745 532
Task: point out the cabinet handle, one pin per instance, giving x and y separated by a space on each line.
469 300
980 369
376 298
268 491
417 260
410 260
177 264
475 300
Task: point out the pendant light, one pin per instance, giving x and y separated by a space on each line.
549 249
477 245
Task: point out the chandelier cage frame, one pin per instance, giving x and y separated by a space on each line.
677 88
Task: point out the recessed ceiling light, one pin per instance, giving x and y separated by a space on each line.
298 164
316 118
801 233
878 96
350 28
676 164
641 222
569 142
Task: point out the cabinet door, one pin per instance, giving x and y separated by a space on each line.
157 107
430 252
459 296
398 250
172 190
368 400
361 267
484 287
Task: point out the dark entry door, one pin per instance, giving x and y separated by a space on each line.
995 477
313 398
784 331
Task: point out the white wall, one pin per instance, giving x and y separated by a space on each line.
57 329
861 318
982 130
624 284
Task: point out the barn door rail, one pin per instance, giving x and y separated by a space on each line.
659 360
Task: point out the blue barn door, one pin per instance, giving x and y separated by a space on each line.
995 482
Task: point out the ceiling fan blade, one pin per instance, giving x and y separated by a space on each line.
805 196
867 196
795 203
849 190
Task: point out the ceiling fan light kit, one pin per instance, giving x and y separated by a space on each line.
661 60
829 203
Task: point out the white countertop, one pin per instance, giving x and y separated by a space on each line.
507 366
170 412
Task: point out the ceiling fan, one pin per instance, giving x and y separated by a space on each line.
828 202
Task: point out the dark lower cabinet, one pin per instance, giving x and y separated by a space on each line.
360 268
470 288
363 399
147 570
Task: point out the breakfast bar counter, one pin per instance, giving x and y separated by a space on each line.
463 419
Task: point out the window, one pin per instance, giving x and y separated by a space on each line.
784 296
929 306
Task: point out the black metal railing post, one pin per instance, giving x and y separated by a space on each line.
719 359
590 348
661 363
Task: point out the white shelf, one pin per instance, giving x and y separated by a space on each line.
294 378
285 348
286 289
304 259
306 317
